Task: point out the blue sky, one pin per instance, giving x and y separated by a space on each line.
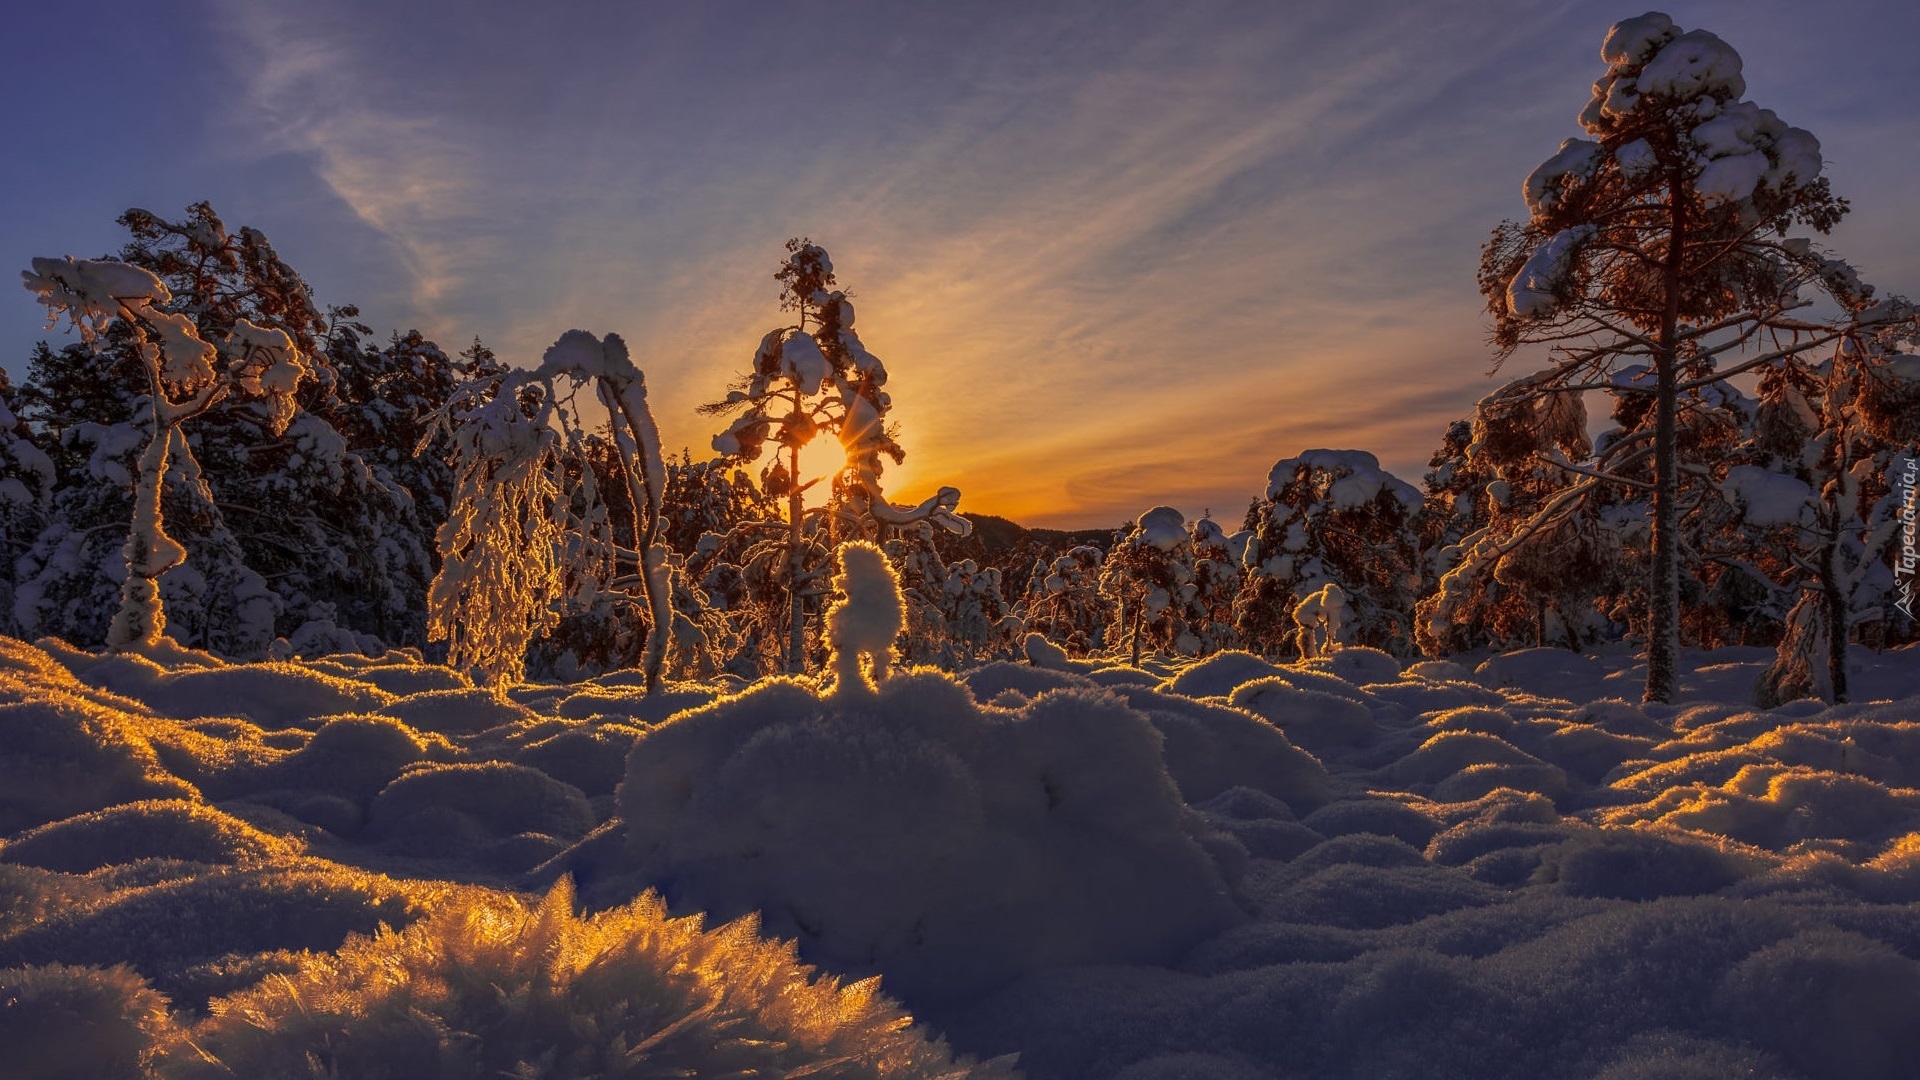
1114 254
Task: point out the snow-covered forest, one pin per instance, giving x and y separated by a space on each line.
372 707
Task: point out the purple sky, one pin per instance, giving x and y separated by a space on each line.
1113 254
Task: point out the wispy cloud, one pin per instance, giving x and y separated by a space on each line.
1114 254
411 172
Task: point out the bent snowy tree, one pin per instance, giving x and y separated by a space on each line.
1661 241
528 531
186 376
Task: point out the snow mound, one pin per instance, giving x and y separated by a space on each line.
1358 665
1210 748
155 829
453 809
352 757
1554 673
1218 675
456 712
1309 718
62 754
1050 836
273 695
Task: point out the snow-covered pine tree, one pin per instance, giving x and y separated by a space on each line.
186 375
956 612
1147 580
1218 575
316 511
1331 517
1173 584
807 379
1064 602
1463 491
335 534
1821 477
26 491
1529 572
709 498
1660 240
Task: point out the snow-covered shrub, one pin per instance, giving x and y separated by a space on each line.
619 995
865 617
154 829
60 1022
1331 517
873 821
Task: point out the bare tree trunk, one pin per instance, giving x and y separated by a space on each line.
1136 618
1663 591
796 565
1836 615
149 551
638 465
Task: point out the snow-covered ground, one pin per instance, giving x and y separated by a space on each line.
1228 868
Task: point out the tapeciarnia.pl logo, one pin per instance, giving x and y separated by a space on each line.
1907 557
